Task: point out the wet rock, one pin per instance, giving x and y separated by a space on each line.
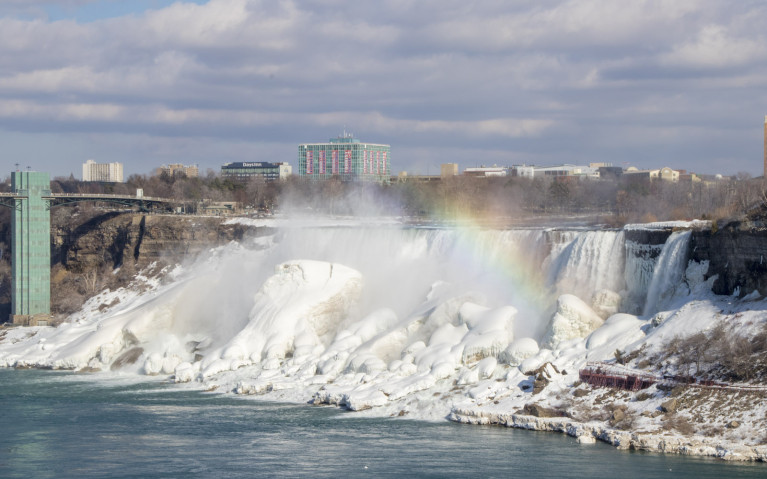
537 410
128 357
618 416
579 393
540 383
669 406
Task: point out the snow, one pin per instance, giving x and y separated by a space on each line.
388 321
668 225
572 319
519 350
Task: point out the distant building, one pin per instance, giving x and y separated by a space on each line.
665 174
610 172
177 169
448 169
689 178
560 171
345 157
107 172
765 147
523 171
485 171
219 208
247 170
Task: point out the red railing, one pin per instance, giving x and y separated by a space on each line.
616 376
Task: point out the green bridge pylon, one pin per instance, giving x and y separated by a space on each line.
31 248
30 203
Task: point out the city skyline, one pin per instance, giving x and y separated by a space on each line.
154 82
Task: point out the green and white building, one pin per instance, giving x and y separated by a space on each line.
345 157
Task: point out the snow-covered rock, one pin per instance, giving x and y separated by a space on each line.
519 350
573 319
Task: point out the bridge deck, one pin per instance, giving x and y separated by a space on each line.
95 197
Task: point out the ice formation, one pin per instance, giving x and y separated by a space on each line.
387 318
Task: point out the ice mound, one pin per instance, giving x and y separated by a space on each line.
490 331
297 310
573 319
519 350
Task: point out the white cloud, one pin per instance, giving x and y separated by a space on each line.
538 79
714 47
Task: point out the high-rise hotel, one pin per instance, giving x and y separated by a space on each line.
345 157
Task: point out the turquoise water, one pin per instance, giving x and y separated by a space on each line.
55 424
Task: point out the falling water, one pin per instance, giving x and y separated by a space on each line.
667 279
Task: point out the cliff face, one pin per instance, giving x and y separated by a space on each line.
113 239
736 253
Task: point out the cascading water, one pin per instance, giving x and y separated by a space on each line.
640 263
667 280
592 261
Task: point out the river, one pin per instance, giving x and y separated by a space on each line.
59 424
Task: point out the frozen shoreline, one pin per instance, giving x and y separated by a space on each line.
587 433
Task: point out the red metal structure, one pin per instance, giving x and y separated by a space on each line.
616 376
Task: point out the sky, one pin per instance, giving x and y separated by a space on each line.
642 83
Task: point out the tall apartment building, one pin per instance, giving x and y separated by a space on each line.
345 157
108 172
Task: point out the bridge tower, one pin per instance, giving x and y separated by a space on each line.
31 262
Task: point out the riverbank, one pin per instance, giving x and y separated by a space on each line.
587 433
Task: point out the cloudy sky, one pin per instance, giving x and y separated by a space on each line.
648 83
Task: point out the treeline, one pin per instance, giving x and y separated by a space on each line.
619 201
614 202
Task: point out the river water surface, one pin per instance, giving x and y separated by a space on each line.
55 424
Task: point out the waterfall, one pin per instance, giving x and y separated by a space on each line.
367 298
592 261
638 272
667 279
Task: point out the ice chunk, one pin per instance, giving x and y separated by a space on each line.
573 319
184 373
519 350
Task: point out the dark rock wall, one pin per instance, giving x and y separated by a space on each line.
737 253
111 239
650 237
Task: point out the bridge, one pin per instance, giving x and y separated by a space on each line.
30 202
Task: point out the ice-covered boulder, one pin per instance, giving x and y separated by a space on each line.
486 367
573 319
519 350
184 372
490 331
